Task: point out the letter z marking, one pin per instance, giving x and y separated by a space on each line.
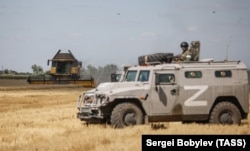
191 101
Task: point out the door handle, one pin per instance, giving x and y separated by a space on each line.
173 92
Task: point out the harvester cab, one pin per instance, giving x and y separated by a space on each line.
65 66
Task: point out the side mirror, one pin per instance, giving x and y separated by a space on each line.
113 77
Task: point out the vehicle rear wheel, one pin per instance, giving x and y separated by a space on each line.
225 113
126 114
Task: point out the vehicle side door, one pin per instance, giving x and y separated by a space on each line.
164 93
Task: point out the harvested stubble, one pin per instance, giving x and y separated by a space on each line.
45 119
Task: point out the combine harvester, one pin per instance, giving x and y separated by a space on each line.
65 69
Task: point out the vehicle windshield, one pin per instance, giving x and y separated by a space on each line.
143 76
131 75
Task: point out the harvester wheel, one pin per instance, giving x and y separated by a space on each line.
126 114
225 113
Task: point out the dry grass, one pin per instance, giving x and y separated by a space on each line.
45 119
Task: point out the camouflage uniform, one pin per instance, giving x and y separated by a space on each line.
186 56
195 50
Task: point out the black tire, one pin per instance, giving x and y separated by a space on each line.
157 57
225 113
126 114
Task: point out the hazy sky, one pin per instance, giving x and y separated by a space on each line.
101 32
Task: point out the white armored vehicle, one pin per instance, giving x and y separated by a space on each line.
210 91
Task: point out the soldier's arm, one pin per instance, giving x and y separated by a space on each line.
177 57
183 56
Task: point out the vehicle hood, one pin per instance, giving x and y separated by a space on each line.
124 89
101 87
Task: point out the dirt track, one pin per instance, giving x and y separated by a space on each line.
44 118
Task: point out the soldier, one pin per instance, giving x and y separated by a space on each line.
195 50
186 54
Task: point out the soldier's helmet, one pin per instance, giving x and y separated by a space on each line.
184 44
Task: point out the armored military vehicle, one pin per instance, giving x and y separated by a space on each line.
202 91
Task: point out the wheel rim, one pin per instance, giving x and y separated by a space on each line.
129 119
226 117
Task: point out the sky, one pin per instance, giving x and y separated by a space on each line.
101 32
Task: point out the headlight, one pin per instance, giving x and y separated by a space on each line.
88 99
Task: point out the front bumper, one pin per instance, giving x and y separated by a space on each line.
89 114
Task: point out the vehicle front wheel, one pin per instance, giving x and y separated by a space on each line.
225 113
126 114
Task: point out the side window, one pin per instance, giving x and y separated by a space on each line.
223 74
130 76
166 78
193 74
143 76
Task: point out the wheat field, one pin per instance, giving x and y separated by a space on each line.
43 118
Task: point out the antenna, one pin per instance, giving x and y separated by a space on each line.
230 39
